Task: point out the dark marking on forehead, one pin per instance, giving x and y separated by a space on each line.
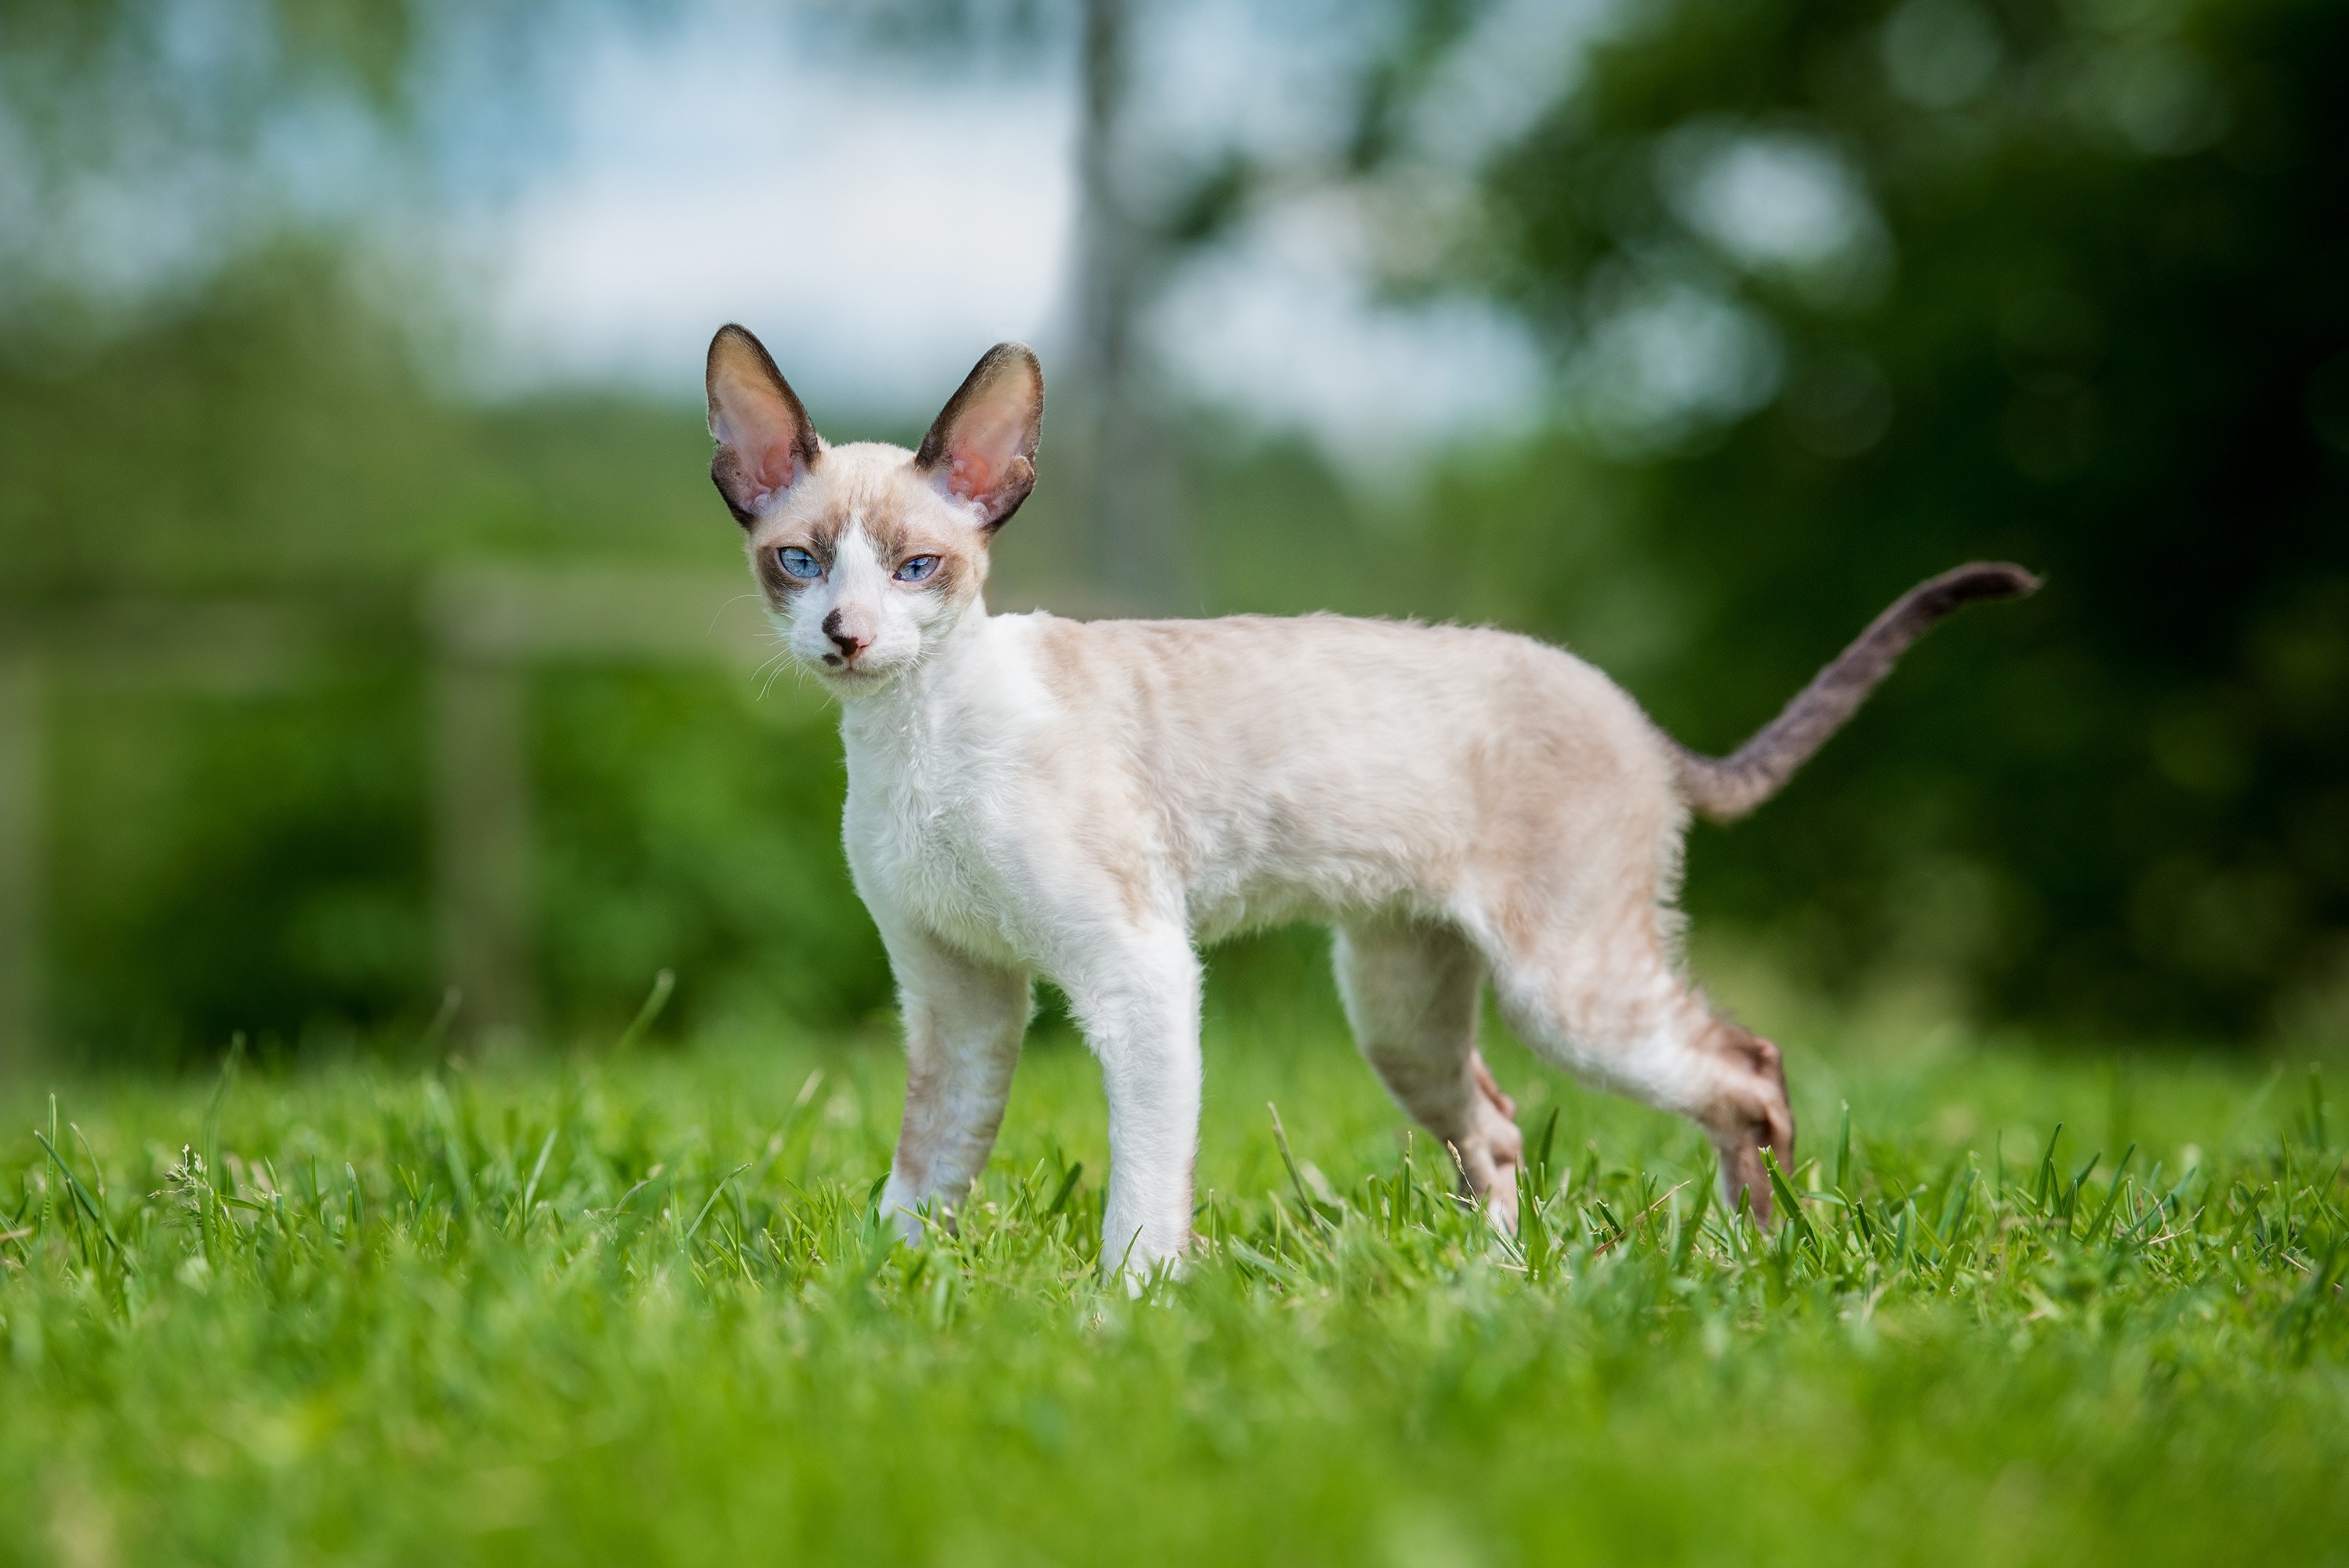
891 539
819 535
823 533
898 533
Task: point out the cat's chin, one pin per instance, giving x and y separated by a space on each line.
862 680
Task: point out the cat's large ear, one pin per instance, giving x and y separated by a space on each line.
765 444
982 450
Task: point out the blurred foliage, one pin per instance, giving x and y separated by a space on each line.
2056 283
720 859
220 524
1845 294
231 863
266 434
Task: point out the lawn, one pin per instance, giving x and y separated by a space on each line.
631 1305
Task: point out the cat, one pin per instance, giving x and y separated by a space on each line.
1090 801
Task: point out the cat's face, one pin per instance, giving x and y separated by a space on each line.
868 553
863 563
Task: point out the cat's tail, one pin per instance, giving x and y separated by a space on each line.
1725 789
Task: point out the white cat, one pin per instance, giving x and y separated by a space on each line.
1088 802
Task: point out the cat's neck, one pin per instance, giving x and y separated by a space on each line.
908 707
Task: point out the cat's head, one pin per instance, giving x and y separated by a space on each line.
867 553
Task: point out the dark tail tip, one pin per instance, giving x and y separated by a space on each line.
1973 581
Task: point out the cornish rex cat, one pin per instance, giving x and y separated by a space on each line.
1088 801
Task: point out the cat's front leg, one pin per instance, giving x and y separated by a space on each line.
964 1022
1135 992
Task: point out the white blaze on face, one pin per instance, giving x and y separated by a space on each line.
856 600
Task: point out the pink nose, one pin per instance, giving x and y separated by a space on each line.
850 642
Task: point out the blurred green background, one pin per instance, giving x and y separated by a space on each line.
321 692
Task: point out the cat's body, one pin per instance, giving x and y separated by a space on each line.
1239 773
1090 801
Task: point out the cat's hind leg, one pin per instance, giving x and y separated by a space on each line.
1411 992
1604 1000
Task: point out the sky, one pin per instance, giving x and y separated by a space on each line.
605 182
880 222
878 227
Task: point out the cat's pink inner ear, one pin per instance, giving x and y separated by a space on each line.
765 444
985 445
774 466
761 430
982 449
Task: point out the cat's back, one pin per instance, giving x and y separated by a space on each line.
1276 691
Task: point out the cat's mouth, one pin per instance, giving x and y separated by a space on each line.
858 674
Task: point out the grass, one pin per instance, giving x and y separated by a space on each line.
634 1307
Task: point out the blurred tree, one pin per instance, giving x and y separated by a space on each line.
1847 293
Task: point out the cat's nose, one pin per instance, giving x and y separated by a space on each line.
849 640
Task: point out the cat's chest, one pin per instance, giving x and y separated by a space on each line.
925 831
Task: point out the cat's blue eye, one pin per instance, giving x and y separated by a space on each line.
919 570
797 563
